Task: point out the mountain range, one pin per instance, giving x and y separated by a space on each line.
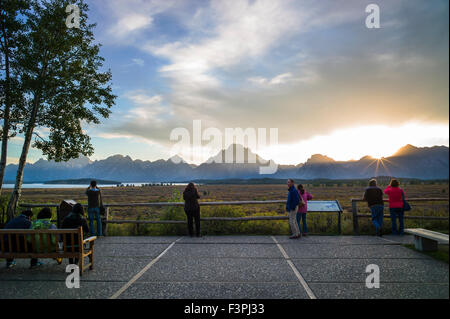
407 162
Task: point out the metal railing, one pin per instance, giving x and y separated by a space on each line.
356 216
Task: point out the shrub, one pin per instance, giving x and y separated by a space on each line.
221 227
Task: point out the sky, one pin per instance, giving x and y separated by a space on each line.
311 69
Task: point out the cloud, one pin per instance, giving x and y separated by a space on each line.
238 32
138 62
279 79
17 139
139 97
125 20
146 109
306 67
360 141
12 160
285 78
130 23
133 138
114 135
242 31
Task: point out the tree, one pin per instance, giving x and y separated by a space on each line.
60 69
11 26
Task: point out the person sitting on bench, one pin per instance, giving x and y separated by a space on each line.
72 221
43 221
23 221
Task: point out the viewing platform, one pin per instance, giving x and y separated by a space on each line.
234 267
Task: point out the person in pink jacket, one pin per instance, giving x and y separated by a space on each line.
301 213
396 196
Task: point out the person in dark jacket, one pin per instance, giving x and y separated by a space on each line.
23 221
192 209
94 202
374 198
292 208
75 220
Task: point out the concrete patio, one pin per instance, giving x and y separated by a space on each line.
234 267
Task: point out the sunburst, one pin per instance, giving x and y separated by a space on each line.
380 162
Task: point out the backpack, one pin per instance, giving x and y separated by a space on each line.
43 224
302 201
406 206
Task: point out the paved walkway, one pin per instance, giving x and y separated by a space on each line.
238 267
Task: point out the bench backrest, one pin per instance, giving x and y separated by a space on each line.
26 241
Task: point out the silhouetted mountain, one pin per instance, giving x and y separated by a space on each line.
319 159
234 162
409 161
407 150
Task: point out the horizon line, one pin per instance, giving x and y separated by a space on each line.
245 148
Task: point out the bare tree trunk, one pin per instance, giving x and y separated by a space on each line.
4 150
5 133
6 113
15 195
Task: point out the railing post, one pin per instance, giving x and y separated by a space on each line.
104 222
58 219
339 217
339 222
355 217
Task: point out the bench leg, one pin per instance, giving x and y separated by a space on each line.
91 261
81 265
425 244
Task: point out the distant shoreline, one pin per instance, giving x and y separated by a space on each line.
81 181
231 181
63 184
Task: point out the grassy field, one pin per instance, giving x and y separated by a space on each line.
318 223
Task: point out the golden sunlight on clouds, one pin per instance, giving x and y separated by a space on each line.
353 143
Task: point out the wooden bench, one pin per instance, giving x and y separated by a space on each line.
427 240
38 243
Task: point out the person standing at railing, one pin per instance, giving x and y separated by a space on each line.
192 209
303 208
292 208
374 198
396 196
94 202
